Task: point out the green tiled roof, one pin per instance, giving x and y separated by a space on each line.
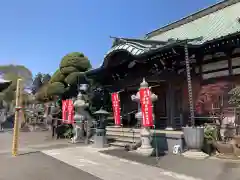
214 25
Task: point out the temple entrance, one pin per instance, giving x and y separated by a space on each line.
128 109
168 107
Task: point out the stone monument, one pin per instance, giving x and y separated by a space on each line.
146 148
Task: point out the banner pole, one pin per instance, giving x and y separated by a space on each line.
16 120
156 144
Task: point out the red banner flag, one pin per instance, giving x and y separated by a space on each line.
146 106
64 110
116 108
70 112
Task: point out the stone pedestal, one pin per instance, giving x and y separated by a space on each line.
78 133
195 154
100 140
146 148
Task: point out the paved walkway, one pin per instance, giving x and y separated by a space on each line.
207 169
108 167
31 141
38 166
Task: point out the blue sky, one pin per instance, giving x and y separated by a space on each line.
38 34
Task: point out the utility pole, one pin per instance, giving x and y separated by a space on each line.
16 119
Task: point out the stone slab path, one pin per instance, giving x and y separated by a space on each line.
108 167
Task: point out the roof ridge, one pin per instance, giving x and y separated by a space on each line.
192 17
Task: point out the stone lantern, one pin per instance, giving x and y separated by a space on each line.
100 140
3 118
47 116
79 118
83 120
145 133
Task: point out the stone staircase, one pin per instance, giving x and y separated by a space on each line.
121 137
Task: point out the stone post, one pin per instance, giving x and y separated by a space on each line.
145 133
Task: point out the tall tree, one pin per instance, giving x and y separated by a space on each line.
13 72
37 83
46 78
70 73
17 71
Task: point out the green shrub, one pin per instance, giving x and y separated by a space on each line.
75 78
77 60
56 88
57 77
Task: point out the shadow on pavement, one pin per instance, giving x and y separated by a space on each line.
207 169
121 153
28 153
35 166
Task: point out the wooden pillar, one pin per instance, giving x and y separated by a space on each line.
229 59
170 106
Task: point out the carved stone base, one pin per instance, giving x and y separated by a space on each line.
145 151
195 155
73 141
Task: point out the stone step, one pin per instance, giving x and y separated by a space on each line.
124 139
122 134
118 144
119 129
137 131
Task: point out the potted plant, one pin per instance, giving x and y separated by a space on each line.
210 136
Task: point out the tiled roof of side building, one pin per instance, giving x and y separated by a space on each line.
4 81
216 21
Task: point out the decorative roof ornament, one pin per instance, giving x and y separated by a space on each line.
80 101
144 84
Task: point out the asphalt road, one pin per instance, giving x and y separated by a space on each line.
37 166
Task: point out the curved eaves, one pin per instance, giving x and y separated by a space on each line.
133 49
